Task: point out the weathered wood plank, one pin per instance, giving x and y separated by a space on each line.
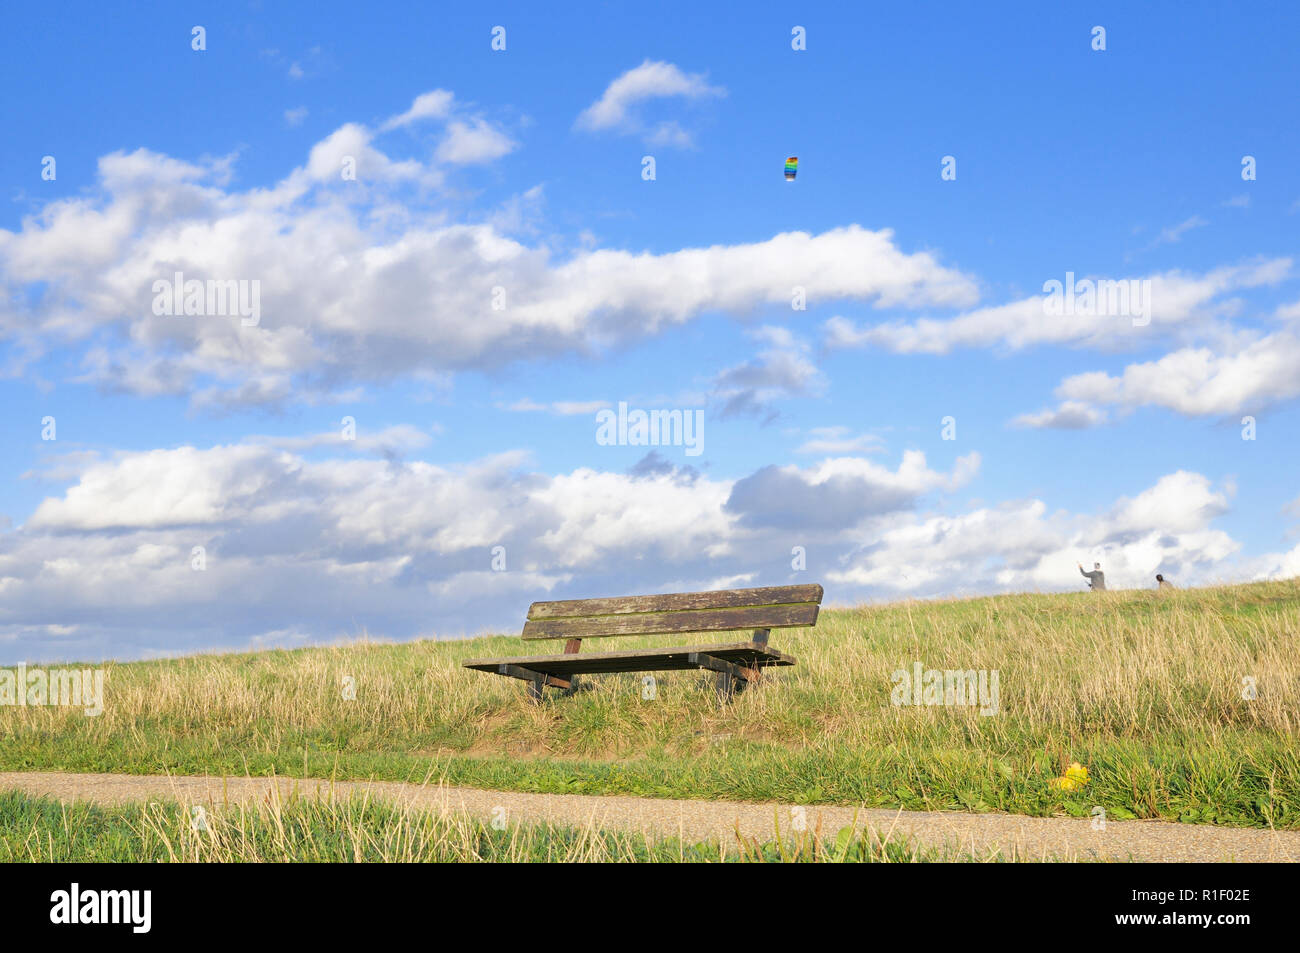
655 623
564 667
673 602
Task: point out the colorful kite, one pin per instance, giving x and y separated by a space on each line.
791 168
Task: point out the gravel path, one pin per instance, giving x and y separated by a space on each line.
985 835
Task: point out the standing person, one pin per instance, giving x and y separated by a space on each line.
1096 578
1163 583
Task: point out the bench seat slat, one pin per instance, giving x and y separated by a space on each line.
656 623
672 602
747 654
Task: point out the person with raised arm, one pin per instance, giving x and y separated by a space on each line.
1096 578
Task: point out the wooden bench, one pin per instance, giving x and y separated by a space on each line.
736 663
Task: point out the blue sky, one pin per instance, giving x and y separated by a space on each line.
1099 436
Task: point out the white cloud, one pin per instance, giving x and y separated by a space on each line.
326 162
1198 382
1176 299
669 133
840 493
1070 415
467 140
1175 233
1275 565
563 408
161 488
473 142
435 104
651 80
393 440
1180 502
294 117
781 370
839 441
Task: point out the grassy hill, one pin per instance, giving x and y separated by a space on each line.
1145 690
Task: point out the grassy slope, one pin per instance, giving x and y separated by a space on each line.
1145 690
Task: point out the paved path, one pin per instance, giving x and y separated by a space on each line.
986 835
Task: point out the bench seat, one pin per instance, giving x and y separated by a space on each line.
744 654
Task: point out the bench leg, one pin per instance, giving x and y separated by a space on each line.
536 680
571 647
760 638
732 678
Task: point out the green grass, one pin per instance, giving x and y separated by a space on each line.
310 830
1144 690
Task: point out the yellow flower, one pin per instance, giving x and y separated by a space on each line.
1076 776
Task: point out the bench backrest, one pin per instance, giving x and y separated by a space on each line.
774 607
